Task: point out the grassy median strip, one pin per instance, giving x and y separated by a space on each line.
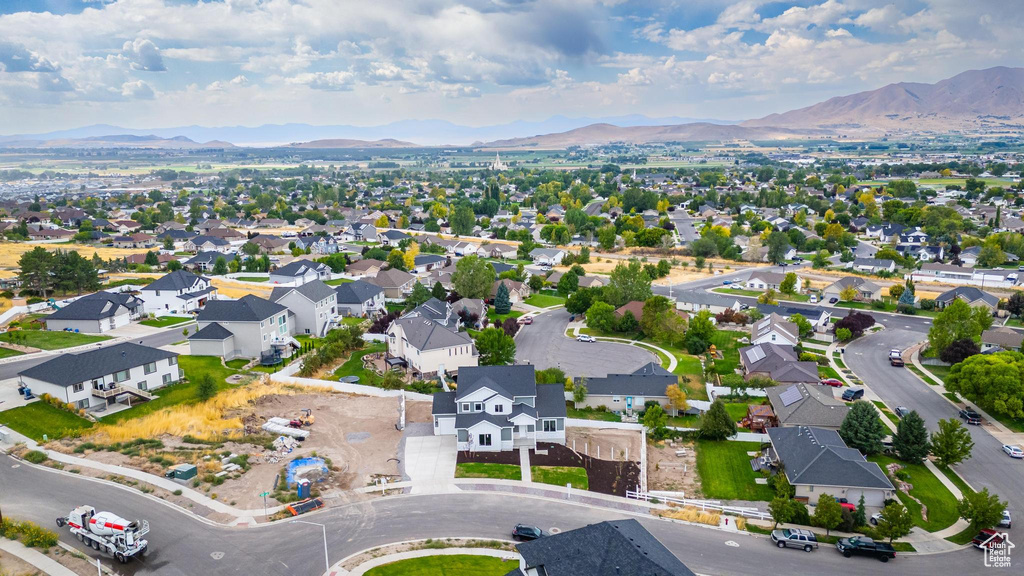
560 476
165 321
487 470
451 565
52 340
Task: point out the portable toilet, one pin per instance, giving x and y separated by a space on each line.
304 489
182 472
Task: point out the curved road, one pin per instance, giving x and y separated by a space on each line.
545 345
184 546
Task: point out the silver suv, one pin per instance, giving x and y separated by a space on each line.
795 538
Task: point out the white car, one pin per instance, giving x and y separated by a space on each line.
1013 451
585 338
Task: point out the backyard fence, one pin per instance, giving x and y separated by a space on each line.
703 505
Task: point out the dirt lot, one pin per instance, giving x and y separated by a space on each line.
614 444
12 566
666 471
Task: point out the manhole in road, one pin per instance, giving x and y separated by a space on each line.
731 543
555 530
216 555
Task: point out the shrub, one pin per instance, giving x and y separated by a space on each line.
878 305
927 304
35 457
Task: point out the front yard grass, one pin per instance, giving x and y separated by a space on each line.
754 294
942 506
492 315
448 565
828 372
544 300
725 472
488 470
252 279
591 414
727 342
7 353
885 410
338 281
39 418
55 340
237 363
181 393
165 321
560 476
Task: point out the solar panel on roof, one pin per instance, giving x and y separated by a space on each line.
755 354
790 395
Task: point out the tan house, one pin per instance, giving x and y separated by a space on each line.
517 291
1004 338
397 284
365 268
428 348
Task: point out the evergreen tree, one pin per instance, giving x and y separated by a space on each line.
862 429
418 296
911 439
716 424
220 266
206 388
860 516
438 291
502 303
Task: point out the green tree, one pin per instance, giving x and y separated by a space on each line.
579 392
206 388
848 294
700 333
995 382
778 245
606 237
536 283
579 301
463 220
860 516
151 259
418 296
958 321
909 294
568 283
951 443
981 509
676 398
991 255
782 510
173 265
250 249
396 259
601 317
803 325
168 243
895 521
862 429
716 424
220 266
827 513
35 267
911 439
496 347
473 277
788 285
502 302
654 421
630 283
438 291
844 334
768 297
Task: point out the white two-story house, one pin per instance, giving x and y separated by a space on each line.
313 306
428 347
499 408
103 376
249 327
177 292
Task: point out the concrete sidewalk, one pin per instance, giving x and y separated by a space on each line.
41 561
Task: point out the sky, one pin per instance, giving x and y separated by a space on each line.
163 63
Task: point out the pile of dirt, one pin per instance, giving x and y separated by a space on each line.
669 472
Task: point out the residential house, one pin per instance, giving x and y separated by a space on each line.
517 291
134 241
359 298
367 268
872 265
300 272
318 244
636 308
501 408
762 280
397 284
866 289
547 256
588 281
970 294
392 238
424 263
126 226
269 244
429 348
502 251
626 549
471 307
312 307
1001 338
774 329
805 404
208 244
778 362
205 261
437 310
103 376
629 392
249 327
177 292
359 232
816 461
96 313
50 234
697 300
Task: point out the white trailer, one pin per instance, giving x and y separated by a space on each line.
107 532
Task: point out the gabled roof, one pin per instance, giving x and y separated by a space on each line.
315 291
200 240
820 457
860 283
392 278
1003 337
509 381
96 307
807 405
210 258
631 384
212 331
356 292
68 369
651 369
177 280
425 334
611 548
300 268
968 294
248 308
779 362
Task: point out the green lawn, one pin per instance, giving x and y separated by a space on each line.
737 410
955 479
487 470
453 565
591 414
725 472
47 340
885 410
940 372
492 315
928 379
354 365
7 353
942 506
181 393
338 281
726 343
165 321
560 476
237 363
964 536
838 359
252 279
38 418
544 300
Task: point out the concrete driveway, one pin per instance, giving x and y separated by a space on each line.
545 345
430 462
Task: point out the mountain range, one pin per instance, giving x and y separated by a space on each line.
989 102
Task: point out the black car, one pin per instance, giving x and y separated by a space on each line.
971 416
833 300
852 394
524 532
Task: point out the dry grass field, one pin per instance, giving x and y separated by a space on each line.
10 252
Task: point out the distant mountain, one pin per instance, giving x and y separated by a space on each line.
347 143
113 141
975 101
694 132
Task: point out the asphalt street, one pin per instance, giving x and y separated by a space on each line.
162 338
685 226
988 466
181 545
545 345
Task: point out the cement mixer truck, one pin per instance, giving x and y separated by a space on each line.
107 532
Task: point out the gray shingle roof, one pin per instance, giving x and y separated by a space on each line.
779 362
356 292
652 369
315 291
820 457
631 385
550 401
68 369
300 268
816 406
177 280
212 331
209 258
392 278
968 294
249 308
425 334
611 548
444 403
96 307
509 381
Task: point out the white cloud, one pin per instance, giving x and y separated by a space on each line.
337 80
143 55
137 90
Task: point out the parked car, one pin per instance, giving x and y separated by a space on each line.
852 394
970 416
902 411
1006 522
526 320
797 538
987 538
1013 451
865 547
814 299
897 362
844 503
875 518
833 300
585 338
525 532
726 282
833 382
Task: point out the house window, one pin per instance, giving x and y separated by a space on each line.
282 319
149 368
498 408
167 378
615 399
141 386
549 426
485 439
262 324
478 407
78 387
465 407
463 435
172 360
121 376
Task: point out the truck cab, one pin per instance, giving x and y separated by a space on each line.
865 547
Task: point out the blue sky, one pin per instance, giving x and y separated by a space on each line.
159 63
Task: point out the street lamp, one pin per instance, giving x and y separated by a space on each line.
327 564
